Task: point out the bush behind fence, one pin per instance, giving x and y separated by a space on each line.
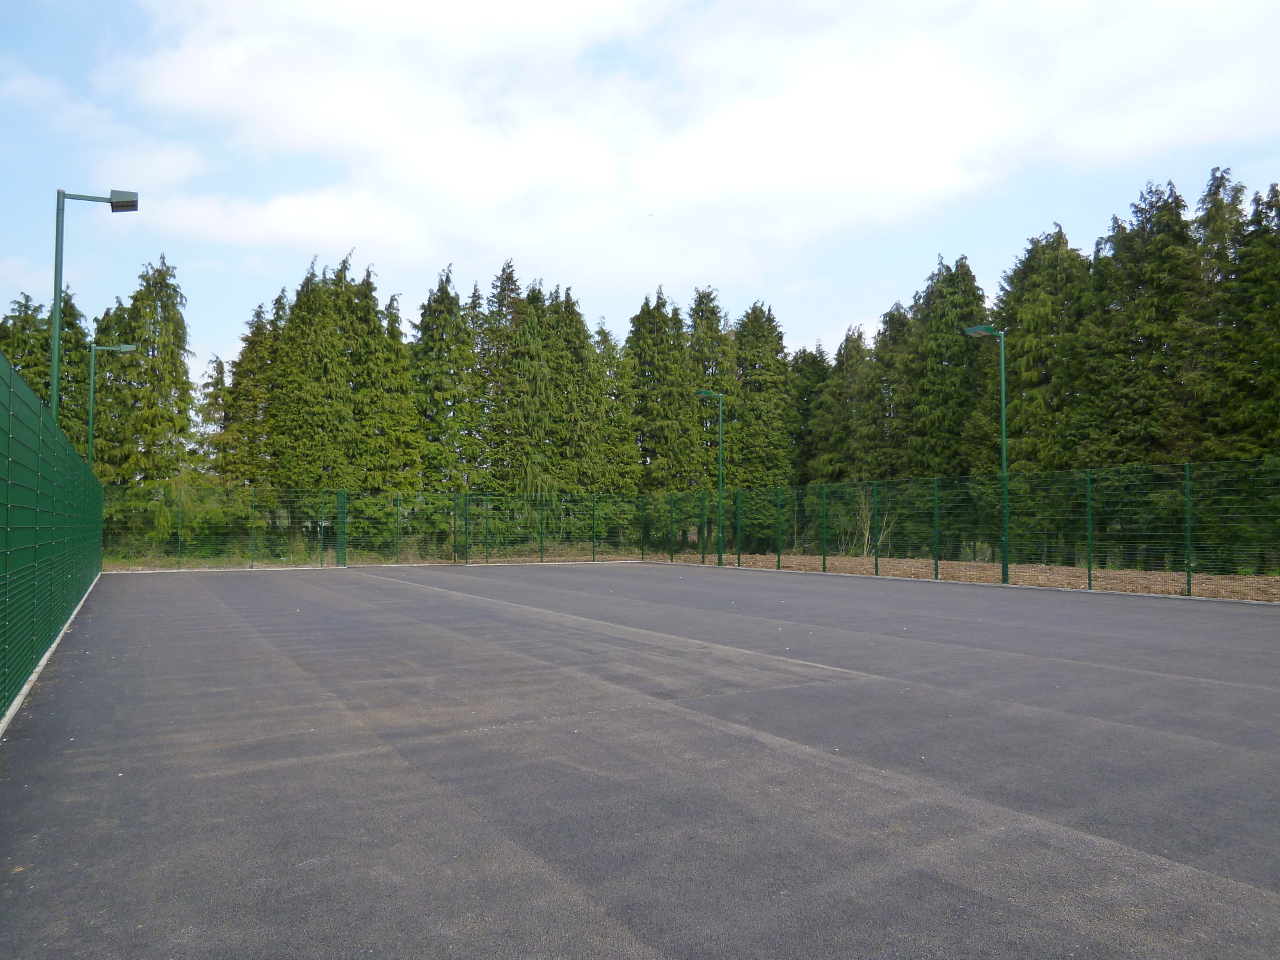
1211 528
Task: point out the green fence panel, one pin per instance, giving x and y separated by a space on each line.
50 535
1209 529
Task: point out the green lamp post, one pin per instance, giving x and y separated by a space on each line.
720 474
986 330
93 382
122 201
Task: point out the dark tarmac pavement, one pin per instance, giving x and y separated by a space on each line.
642 760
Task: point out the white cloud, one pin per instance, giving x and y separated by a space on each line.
641 142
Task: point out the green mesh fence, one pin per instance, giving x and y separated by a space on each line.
1204 529
52 525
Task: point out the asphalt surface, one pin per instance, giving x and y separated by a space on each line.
642 760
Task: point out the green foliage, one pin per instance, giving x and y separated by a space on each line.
26 339
1040 306
810 371
715 369
442 361
762 423
309 416
667 413
143 416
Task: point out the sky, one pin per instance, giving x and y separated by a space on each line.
816 156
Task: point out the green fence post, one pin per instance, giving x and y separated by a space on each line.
453 528
542 549
737 516
1088 524
875 522
485 505
824 528
778 492
340 520
466 528
253 515
644 520
702 530
671 531
178 491
937 529
593 528
1187 491
396 507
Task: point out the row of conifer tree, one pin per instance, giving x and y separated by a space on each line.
1160 345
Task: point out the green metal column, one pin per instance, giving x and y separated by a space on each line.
593 528
644 518
340 520
702 530
396 507
485 506
542 531
937 528
178 491
1004 473
720 484
466 527
1088 524
778 492
824 528
671 531
1186 484
253 516
738 519
875 523
453 527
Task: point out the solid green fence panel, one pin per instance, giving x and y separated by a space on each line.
50 534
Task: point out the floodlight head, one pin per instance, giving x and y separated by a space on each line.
126 348
704 393
985 330
124 201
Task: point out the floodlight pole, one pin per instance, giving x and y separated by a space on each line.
93 382
720 474
122 201
986 330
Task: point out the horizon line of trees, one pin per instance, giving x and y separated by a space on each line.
1161 345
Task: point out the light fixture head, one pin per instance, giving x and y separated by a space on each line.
124 201
985 330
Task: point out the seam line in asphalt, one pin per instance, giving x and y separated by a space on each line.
908 782
845 674
992 651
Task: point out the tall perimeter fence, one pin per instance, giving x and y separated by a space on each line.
51 529
1206 529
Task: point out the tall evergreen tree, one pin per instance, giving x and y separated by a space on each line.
945 430
1041 307
715 368
576 394
666 414
245 446
145 399
211 414
620 476
309 418
763 421
810 371
848 418
385 450
443 360
26 340
1144 336
1255 373
519 414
